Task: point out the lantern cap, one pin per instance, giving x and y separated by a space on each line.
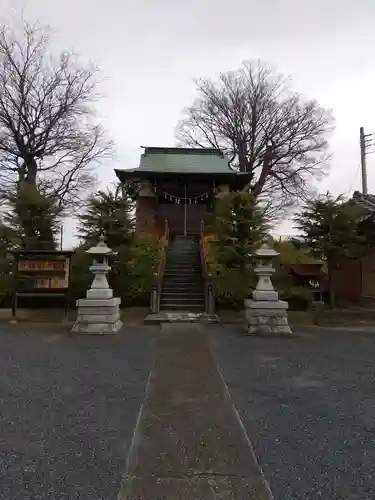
265 251
101 248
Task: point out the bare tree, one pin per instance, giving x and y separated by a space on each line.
264 128
49 137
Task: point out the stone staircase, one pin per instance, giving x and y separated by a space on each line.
183 287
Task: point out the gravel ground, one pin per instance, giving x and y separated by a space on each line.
68 407
308 405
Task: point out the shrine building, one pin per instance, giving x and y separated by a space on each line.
179 185
175 192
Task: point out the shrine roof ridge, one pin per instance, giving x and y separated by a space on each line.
182 150
180 160
364 200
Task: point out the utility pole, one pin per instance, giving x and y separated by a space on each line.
61 236
362 142
367 145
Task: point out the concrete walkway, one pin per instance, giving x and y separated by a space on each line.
189 442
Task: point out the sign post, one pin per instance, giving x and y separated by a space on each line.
41 274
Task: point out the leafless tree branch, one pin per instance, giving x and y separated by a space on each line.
48 131
276 135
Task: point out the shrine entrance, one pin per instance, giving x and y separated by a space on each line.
182 219
183 211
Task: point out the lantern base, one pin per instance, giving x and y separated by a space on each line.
267 318
98 316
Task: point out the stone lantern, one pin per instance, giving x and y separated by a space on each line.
99 312
265 313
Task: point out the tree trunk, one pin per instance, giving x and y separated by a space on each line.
31 171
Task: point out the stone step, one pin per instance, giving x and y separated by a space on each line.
182 296
182 307
184 245
175 274
197 295
185 288
182 272
182 260
183 266
178 285
192 252
183 263
182 251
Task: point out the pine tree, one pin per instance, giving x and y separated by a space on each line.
330 228
240 224
109 213
32 216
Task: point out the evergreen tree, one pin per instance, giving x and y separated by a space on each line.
111 213
330 228
33 218
240 224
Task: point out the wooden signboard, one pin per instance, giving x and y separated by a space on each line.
41 274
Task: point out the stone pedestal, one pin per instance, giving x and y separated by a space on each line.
99 312
267 318
98 316
265 313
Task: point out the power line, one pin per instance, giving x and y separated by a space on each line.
353 180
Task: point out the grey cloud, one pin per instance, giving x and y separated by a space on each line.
150 51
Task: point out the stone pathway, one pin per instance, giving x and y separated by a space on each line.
189 442
180 317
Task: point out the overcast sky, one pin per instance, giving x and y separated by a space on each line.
150 51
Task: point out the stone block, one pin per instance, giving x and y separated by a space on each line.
265 295
269 330
97 328
266 312
99 310
99 302
252 304
99 293
267 318
275 325
98 318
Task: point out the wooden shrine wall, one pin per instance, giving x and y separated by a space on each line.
151 216
170 201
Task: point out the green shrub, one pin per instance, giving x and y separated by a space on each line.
231 289
132 271
81 277
298 298
232 285
146 254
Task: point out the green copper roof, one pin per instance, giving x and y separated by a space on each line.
184 160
